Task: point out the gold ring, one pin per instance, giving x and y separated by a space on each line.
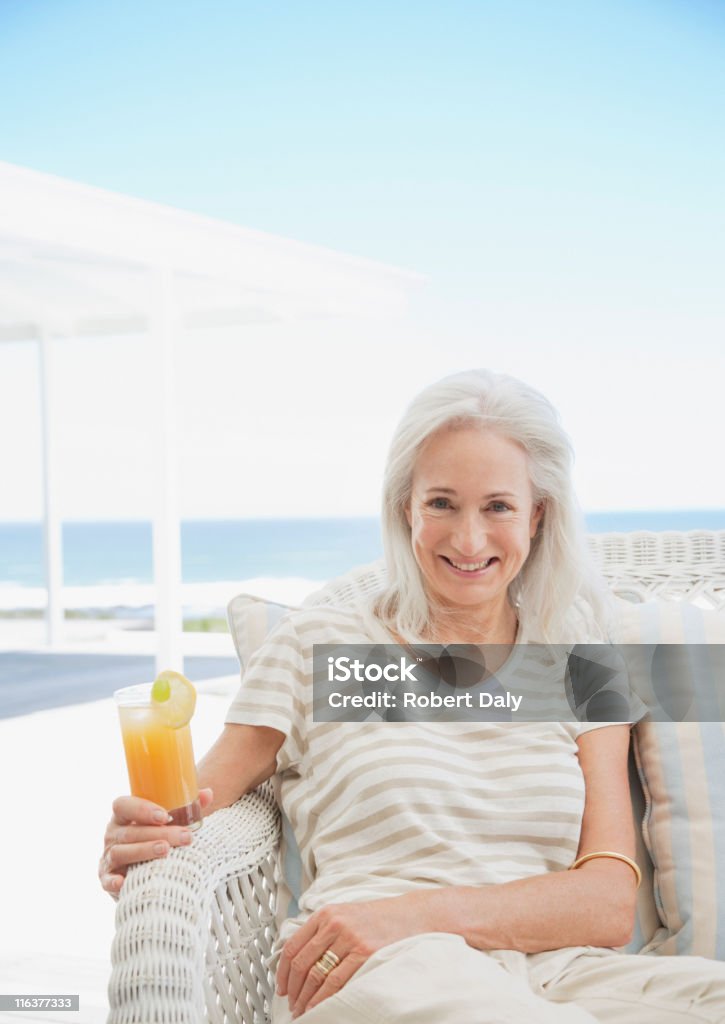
327 962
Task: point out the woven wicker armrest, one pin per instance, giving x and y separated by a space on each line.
193 930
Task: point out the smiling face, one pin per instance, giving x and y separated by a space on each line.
472 517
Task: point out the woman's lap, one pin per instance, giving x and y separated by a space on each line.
437 978
433 979
632 989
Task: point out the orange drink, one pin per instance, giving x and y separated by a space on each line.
159 755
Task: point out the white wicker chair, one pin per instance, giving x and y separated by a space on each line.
193 930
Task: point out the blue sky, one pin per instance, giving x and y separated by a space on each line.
401 131
555 168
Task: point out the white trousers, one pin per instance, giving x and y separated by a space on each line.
438 979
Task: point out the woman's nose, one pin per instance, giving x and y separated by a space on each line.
469 536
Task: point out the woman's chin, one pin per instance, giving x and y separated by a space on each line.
468 595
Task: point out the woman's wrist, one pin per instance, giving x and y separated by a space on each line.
440 909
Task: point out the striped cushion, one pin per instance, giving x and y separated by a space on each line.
647 920
682 767
251 619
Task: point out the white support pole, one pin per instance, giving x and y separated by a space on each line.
166 527
52 533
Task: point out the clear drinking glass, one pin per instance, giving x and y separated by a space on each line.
159 757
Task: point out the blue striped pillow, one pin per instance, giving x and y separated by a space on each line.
647 920
251 620
682 767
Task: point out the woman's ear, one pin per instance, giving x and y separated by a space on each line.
537 514
409 515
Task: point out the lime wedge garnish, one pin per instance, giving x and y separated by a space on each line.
174 698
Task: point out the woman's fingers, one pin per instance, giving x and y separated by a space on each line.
127 809
139 831
119 856
121 835
135 810
310 983
116 860
336 980
302 971
350 932
110 883
294 947
135 844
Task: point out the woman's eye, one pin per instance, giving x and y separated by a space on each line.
439 503
499 506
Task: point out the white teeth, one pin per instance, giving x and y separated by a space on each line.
469 566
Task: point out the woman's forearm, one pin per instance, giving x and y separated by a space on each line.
242 758
588 907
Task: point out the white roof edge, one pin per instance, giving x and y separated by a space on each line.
51 186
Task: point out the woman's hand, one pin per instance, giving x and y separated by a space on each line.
243 757
353 932
139 831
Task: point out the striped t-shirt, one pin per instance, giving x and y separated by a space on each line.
378 808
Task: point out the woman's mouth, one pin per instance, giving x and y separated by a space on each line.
470 569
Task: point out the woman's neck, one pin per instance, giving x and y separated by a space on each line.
459 626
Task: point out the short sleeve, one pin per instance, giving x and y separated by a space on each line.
600 688
581 728
273 692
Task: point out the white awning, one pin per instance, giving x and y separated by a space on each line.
77 260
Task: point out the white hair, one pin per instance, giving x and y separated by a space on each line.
557 592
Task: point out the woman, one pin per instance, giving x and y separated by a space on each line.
434 855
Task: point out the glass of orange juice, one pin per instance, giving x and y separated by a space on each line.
157 741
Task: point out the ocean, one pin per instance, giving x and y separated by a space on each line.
110 563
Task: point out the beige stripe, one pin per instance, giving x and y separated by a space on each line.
658 829
390 735
486 740
409 739
363 802
436 860
702 868
396 797
454 835
524 865
516 784
283 696
465 732
500 830
253 716
253 708
345 622
277 660
384 813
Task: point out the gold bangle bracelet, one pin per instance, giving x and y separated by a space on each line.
615 856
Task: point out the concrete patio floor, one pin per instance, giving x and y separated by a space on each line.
61 768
